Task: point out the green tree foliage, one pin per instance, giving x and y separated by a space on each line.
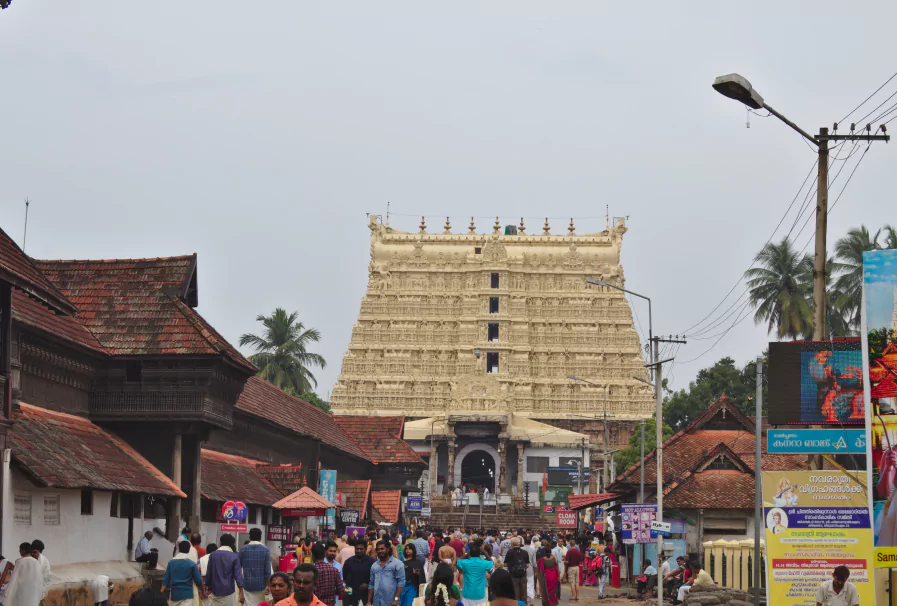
312 398
282 351
724 377
632 453
779 291
878 340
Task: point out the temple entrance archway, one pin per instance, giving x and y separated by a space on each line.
478 465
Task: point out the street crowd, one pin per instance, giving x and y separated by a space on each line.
429 567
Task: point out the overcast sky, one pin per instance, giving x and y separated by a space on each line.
259 134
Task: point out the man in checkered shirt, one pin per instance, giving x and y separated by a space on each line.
256 561
329 584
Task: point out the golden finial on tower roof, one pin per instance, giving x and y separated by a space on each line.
448 226
423 225
473 228
571 229
546 228
497 227
522 227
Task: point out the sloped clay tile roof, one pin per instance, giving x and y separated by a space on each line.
37 315
356 494
713 489
380 438
17 269
64 451
579 501
287 479
135 307
262 399
386 503
304 498
226 477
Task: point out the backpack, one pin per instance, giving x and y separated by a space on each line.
147 597
518 566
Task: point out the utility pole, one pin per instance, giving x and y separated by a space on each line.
819 258
658 376
604 463
641 492
582 464
758 485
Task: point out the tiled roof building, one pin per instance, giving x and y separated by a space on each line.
386 505
228 476
708 474
380 438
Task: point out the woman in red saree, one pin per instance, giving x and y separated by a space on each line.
548 578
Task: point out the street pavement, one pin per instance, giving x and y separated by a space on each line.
589 596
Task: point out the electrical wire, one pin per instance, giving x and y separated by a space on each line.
734 286
894 94
867 98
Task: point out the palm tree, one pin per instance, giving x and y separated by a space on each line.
890 237
282 355
849 251
779 291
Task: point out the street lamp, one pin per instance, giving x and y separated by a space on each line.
738 87
658 413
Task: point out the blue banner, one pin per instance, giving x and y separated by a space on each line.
415 503
816 441
327 489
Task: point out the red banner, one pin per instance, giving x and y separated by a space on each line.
233 528
301 513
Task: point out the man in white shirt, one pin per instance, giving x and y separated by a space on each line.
38 552
838 591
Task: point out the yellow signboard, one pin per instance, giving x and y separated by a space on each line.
815 521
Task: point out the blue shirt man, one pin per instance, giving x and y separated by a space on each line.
224 569
387 578
422 547
474 570
255 559
181 575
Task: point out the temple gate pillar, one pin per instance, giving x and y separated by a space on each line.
520 447
503 475
434 466
450 474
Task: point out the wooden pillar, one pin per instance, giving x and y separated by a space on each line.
450 473
503 475
196 496
520 446
434 467
174 513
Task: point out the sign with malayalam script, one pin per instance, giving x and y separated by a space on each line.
816 441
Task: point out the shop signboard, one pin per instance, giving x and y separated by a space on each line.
233 527
415 503
349 517
567 519
279 533
816 441
327 489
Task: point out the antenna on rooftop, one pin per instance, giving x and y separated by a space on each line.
387 213
607 216
25 235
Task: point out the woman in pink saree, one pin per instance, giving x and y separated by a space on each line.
548 578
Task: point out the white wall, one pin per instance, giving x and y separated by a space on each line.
77 538
557 457
210 532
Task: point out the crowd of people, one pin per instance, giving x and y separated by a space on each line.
386 569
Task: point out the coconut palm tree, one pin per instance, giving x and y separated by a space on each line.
837 302
282 355
890 237
779 292
849 252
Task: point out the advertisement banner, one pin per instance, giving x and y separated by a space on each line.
636 520
327 489
816 441
815 521
415 503
879 334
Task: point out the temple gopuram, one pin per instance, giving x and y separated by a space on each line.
473 338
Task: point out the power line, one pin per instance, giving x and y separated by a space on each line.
867 98
734 286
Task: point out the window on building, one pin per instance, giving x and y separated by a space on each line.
477 250
493 331
133 371
113 505
264 516
252 514
51 510
86 502
536 464
22 515
492 361
493 305
154 508
495 279
722 463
